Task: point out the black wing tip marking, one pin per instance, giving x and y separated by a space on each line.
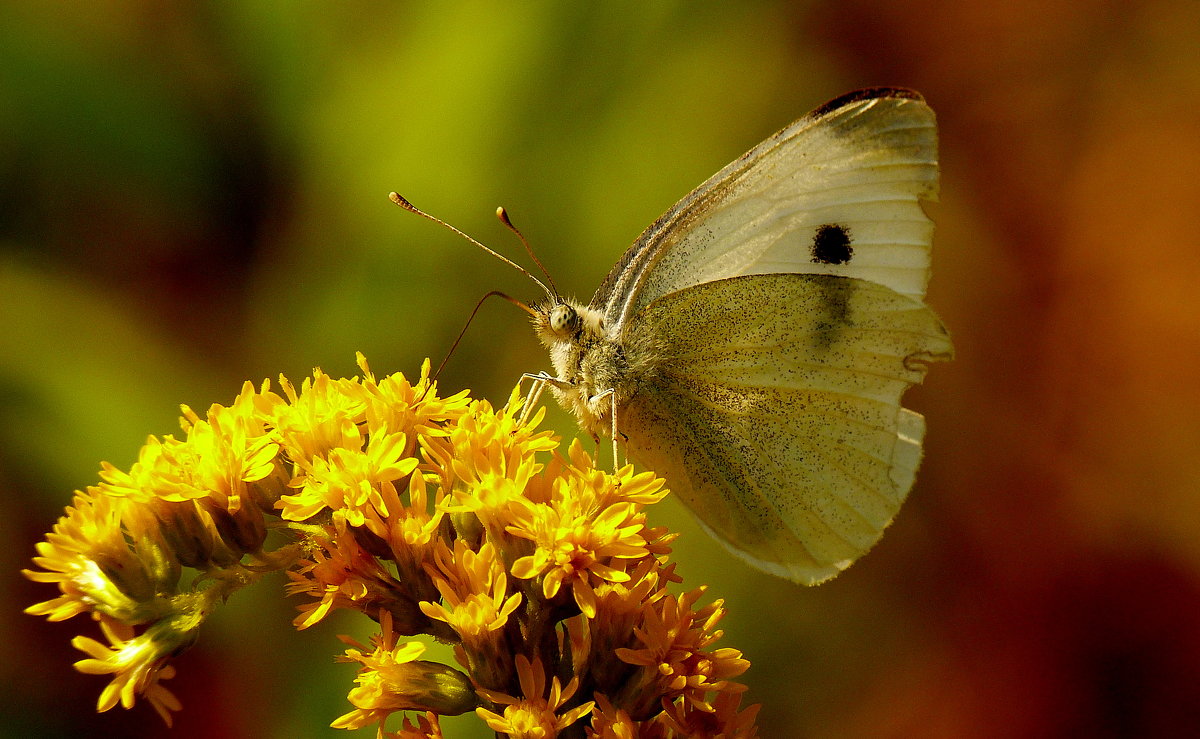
869 93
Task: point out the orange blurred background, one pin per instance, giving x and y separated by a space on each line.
194 194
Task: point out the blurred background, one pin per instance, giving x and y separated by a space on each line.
194 193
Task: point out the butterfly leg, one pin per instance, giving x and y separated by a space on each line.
616 460
537 386
611 396
542 380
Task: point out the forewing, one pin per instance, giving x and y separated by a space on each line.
837 192
775 412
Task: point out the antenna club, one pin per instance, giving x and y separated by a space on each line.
400 200
502 214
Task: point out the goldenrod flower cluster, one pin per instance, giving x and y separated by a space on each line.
431 515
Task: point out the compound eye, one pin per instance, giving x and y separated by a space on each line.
564 319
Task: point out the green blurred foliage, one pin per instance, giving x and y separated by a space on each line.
194 194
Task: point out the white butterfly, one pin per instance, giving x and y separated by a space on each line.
755 341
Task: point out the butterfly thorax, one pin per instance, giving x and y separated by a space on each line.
594 368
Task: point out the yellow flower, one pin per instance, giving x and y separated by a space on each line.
138 662
586 535
322 417
231 449
412 531
340 575
473 586
213 488
620 609
394 403
721 720
535 715
88 557
609 722
437 516
490 465
158 473
674 656
426 727
393 679
350 482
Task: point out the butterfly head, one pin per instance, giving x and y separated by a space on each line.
559 320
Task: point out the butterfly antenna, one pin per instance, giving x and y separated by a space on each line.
403 203
461 334
502 214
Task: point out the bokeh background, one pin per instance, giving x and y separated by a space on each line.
193 194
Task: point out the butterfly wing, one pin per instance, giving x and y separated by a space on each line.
837 192
774 412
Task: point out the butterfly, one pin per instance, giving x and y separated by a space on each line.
753 344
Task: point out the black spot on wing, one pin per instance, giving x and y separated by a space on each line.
831 244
